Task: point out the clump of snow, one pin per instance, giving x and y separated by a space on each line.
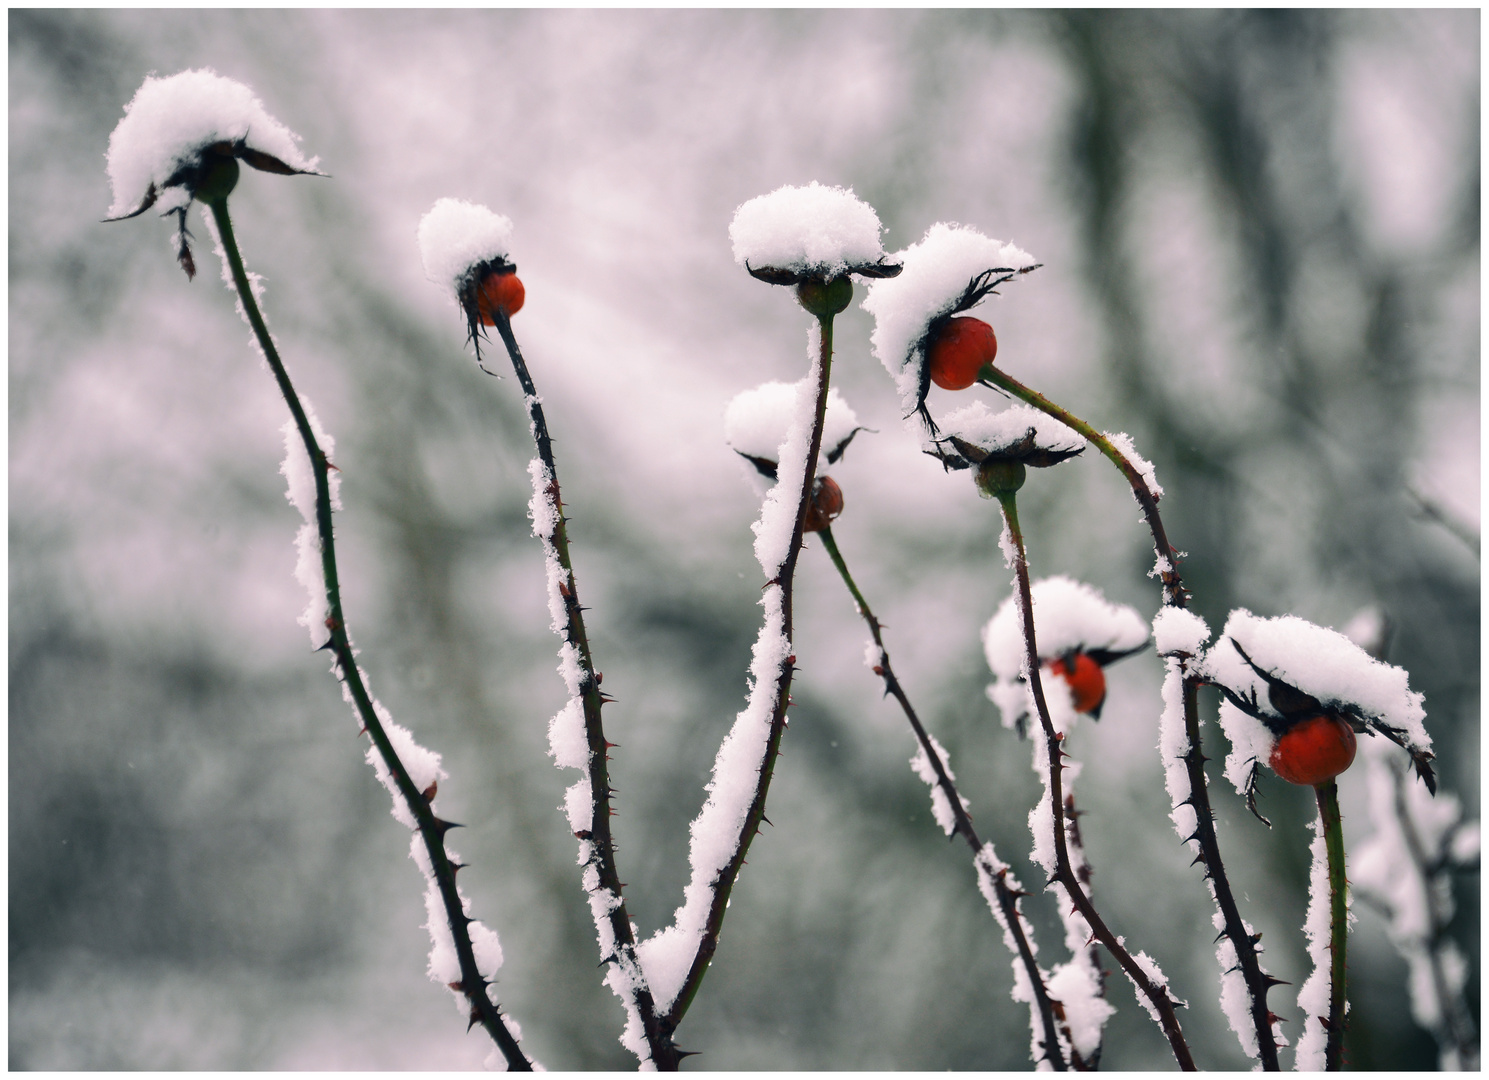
777 522
456 235
936 273
297 471
1313 995
170 121
1077 987
1178 631
808 230
1122 442
1018 426
756 421
1155 975
940 802
1320 662
1068 614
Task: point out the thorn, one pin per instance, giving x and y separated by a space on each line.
1198 858
456 986
443 826
456 867
330 644
767 821
1218 937
611 745
474 1018
1271 982
599 677
687 1054
1255 938
430 791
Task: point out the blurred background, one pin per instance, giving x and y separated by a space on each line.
1260 237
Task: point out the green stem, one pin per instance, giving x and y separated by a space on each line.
664 1053
1333 824
724 883
1007 900
1174 593
1064 872
432 829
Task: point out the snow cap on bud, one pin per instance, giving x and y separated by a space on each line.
952 270
458 239
993 442
175 134
813 233
756 422
1277 674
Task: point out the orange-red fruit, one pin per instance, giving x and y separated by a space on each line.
1314 751
499 292
1086 679
961 348
826 504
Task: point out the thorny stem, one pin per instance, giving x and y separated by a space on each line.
432 829
1257 982
658 1037
1333 824
1007 901
724 883
1064 872
1176 595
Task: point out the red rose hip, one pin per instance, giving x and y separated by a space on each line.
499 291
1314 750
1086 680
826 504
958 352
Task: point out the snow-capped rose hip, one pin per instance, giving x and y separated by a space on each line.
959 350
826 505
1086 680
499 291
1314 750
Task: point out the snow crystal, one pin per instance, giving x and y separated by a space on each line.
579 805
999 432
940 803
1319 662
1173 747
811 230
936 273
456 235
756 421
1156 976
1078 989
1122 442
170 121
1251 742
1177 630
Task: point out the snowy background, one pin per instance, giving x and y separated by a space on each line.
1260 238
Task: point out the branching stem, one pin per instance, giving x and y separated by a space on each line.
1328 813
431 828
658 1037
1064 871
1007 901
1176 595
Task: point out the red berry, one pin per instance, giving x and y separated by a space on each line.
826 504
1314 750
1087 681
499 291
959 350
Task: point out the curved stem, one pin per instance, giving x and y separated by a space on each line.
1064 872
663 1052
1007 900
1328 813
431 828
1174 593
723 883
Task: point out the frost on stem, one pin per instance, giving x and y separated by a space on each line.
1292 656
1313 995
940 804
717 834
1404 868
1180 636
951 270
